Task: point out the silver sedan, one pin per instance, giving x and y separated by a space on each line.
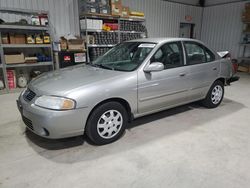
131 80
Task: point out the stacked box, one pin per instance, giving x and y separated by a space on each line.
104 7
89 6
91 24
116 7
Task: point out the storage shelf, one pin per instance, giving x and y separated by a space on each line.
138 19
139 32
100 45
26 45
100 16
24 27
99 30
30 64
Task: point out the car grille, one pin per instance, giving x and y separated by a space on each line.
28 123
29 95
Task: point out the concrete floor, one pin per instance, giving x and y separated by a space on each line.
188 146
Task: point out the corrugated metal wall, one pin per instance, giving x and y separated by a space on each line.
222 27
62 13
163 18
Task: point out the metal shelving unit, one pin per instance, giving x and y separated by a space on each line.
117 19
244 44
30 64
26 45
23 29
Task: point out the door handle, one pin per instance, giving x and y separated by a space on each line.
215 68
182 74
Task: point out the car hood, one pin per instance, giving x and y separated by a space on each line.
63 81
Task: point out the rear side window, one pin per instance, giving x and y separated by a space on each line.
209 55
197 53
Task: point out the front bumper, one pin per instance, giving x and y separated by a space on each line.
50 123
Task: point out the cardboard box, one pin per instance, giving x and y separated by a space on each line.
20 39
76 44
244 68
86 24
104 9
17 38
63 44
14 59
137 13
97 24
89 8
125 11
116 9
12 38
5 39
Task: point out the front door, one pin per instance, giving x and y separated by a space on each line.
157 90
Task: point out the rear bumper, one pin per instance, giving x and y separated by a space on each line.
232 79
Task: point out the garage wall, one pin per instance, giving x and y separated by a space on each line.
222 27
163 18
62 13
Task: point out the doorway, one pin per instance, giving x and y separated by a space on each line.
186 30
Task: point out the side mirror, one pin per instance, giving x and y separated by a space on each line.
154 67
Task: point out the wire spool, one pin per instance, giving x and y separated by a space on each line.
22 81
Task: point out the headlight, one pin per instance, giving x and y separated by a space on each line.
55 103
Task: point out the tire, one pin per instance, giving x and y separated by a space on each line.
107 123
215 95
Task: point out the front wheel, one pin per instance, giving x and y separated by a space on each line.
215 95
107 123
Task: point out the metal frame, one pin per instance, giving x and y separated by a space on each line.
8 27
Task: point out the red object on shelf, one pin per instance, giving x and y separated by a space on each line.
113 26
11 75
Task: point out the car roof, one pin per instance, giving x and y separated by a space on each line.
164 40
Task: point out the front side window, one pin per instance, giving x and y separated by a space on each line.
126 56
170 54
197 53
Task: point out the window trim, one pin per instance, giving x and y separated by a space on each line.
204 49
182 51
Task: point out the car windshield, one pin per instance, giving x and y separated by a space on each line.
126 56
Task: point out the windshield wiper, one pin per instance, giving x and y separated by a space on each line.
104 67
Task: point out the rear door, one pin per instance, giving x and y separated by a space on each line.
203 69
167 87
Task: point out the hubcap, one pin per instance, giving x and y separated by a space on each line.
217 94
109 124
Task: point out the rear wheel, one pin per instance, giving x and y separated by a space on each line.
215 95
107 123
